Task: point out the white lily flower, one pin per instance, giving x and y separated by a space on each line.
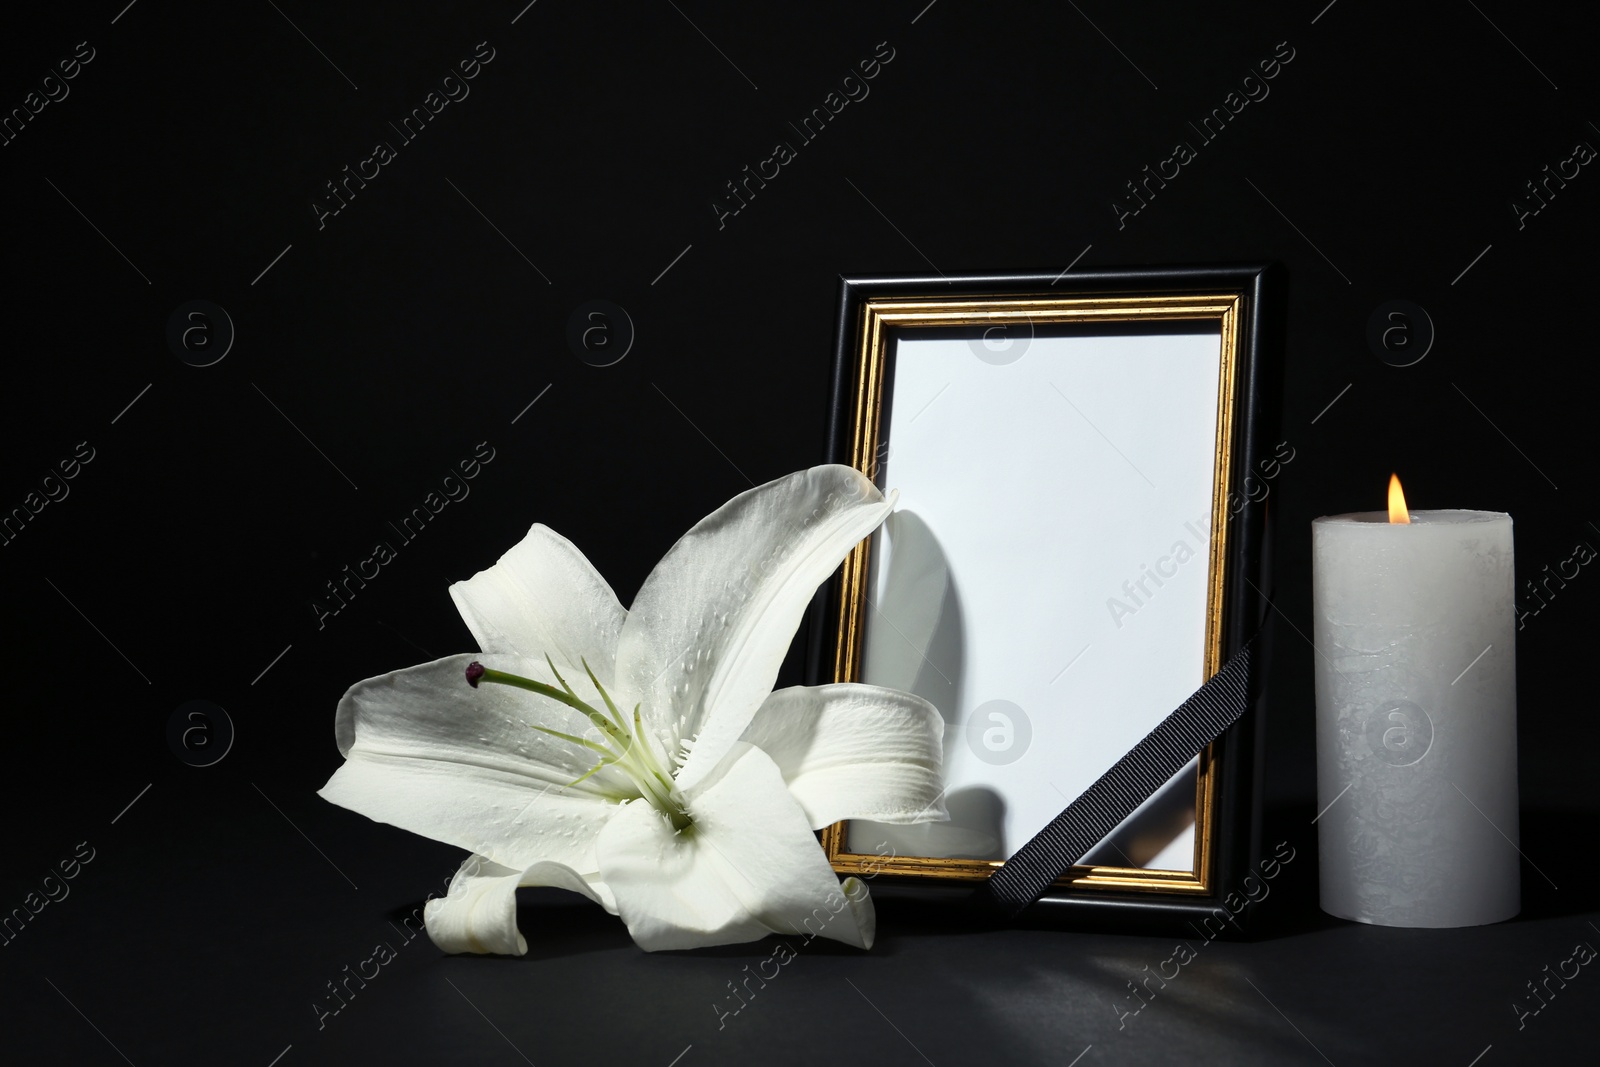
641 757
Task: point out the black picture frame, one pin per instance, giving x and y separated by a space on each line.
1235 849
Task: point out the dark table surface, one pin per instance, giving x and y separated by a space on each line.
166 954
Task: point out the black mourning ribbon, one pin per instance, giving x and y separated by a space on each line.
1131 781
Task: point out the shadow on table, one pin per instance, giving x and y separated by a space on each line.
1558 865
1556 882
1557 870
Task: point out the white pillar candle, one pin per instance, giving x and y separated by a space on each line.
1416 718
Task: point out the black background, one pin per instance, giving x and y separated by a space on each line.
374 353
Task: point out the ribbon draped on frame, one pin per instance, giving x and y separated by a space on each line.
1132 780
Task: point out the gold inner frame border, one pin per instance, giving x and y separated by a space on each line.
878 319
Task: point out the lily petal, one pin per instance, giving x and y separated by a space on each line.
425 753
711 625
479 911
542 598
852 751
748 866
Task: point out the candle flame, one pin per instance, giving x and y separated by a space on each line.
1397 502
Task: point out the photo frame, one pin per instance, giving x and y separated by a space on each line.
1079 543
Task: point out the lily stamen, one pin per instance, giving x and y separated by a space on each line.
629 752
